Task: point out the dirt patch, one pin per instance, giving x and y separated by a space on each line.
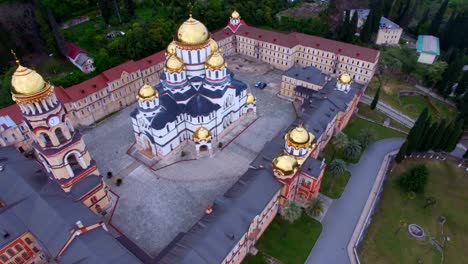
305 10
247 65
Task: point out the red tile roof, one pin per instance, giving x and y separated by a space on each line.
14 112
116 72
74 50
292 39
151 60
83 89
62 94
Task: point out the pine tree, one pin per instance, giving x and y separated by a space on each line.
376 99
437 20
417 131
402 152
422 21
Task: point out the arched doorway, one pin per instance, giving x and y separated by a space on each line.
203 148
146 147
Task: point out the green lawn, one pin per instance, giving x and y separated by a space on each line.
376 115
447 184
294 248
338 186
357 124
409 105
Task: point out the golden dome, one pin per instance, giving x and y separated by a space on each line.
215 61
214 45
171 48
250 99
147 92
345 78
174 64
27 82
201 134
299 137
235 15
285 165
192 32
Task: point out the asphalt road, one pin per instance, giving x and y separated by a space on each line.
344 213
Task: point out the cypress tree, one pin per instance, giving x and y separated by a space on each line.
353 24
443 126
465 156
366 32
422 21
437 20
377 14
105 10
394 11
429 137
455 135
130 7
462 84
345 27
417 131
451 73
376 99
402 152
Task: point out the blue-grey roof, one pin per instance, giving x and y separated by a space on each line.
85 185
35 204
307 74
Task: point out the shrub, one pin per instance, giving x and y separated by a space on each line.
414 180
119 182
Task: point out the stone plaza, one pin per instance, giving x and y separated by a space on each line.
156 205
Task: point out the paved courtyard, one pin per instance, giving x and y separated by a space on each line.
155 206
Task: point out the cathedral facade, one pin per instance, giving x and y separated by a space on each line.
197 97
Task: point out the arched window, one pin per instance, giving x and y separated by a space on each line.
72 161
45 139
28 240
60 136
10 252
216 74
3 258
175 77
18 248
147 104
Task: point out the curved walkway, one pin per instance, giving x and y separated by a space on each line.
344 213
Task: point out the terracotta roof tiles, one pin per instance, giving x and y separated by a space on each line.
83 89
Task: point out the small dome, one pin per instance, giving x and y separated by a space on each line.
285 165
192 32
171 48
147 92
235 15
299 137
174 64
215 61
345 78
214 45
27 82
250 99
201 134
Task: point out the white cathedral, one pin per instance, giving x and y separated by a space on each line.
196 100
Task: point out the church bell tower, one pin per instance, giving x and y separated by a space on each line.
60 148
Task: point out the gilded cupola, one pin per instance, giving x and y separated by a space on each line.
285 165
192 32
235 15
299 137
147 93
214 45
345 78
28 85
201 134
174 64
250 99
215 61
171 48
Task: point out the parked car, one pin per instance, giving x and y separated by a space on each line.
260 85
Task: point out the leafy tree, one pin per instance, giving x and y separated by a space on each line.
401 153
353 150
414 180
437 20
314 207
340 140
5 94
376 99
292 212
365 137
